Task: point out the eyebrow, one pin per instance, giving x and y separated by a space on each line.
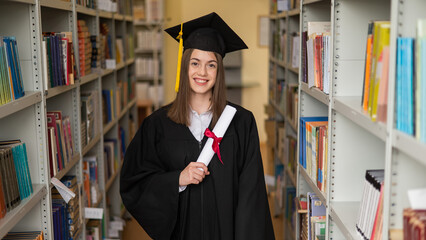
200 60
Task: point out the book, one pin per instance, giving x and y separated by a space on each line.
369 206
382 43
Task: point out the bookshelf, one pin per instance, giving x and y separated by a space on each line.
149 50
355 142
25 118
283 75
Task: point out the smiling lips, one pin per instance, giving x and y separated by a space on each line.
200 81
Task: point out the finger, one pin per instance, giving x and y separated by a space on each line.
197 177
199 171
195 181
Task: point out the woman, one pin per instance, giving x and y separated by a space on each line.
171 195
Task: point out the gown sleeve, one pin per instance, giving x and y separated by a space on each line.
253 218
149 192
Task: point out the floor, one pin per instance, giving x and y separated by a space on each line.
132 230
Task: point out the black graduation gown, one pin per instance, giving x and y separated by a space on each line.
230 203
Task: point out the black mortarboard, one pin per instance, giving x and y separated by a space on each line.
208 33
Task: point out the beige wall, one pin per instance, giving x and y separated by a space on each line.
242 17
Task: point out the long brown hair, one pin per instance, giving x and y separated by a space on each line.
179 109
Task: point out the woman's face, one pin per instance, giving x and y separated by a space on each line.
202 72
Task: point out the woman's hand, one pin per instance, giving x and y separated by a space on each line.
193 174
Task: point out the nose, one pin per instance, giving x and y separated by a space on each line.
203 71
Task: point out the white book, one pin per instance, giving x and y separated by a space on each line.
310 55
295 52
44 62
318 27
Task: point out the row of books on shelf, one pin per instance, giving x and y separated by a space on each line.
146 67
90 180
60 141
149 39
89 109
316 56
279 48
374 94
149 92
313 149
105 44
67 222
148 10
85 48
292 103
58 58
370 215
35 235
11 82
312 217
87 3
278 6
114 150
411 83
15 179
414 224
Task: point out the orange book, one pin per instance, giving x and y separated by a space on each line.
367 72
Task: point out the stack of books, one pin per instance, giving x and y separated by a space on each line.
370 214
15 179
84 47
414 224
316 58
60 141
70 215
11 83
374 95
313 150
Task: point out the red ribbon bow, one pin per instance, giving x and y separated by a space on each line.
216 141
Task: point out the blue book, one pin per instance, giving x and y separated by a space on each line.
302 134
423 90
404 89
399 84
409 87
18 64
6 41
17 67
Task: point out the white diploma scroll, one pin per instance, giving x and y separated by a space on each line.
219 130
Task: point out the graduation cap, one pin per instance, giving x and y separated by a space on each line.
208 33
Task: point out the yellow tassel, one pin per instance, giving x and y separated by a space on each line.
179 58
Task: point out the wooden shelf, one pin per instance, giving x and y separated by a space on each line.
62 5
85 10
345 214
316 93
68 167
51 92
19 212
88 78
313 185
350 107
91 144
30 99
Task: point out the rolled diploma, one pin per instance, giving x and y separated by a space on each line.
219 130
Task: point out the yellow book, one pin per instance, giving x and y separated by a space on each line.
383 42
374 56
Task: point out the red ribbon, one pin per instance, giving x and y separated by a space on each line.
216 141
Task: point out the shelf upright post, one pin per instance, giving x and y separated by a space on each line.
42 158
388 196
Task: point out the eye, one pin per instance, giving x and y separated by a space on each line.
212 65
194 64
